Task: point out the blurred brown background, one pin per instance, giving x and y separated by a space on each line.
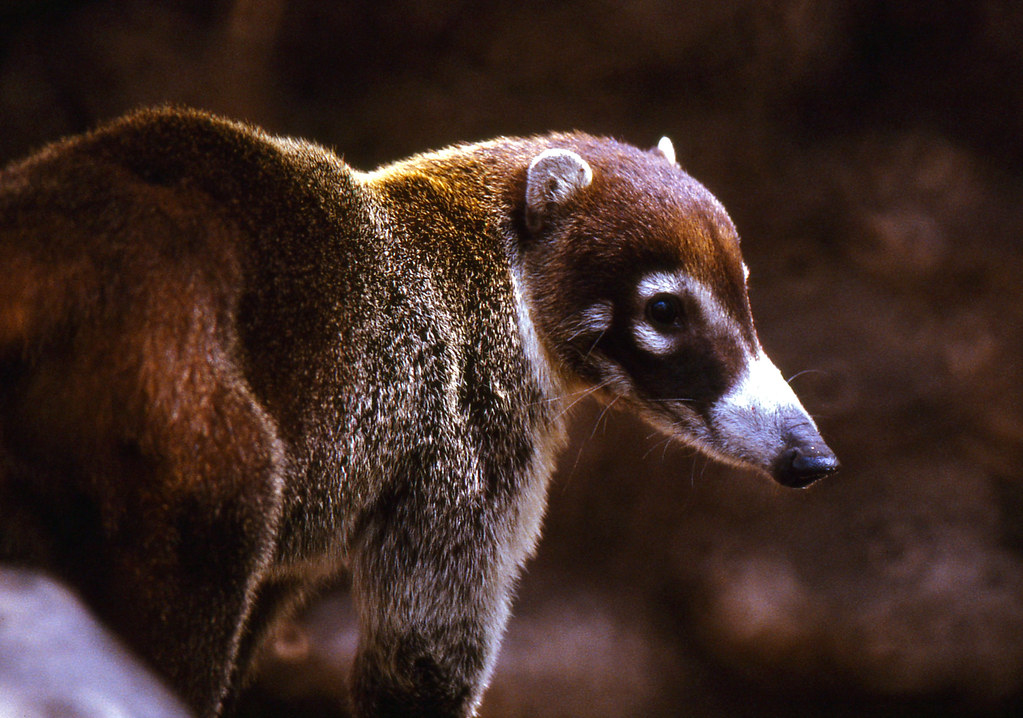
870 153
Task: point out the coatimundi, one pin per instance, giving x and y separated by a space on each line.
230 363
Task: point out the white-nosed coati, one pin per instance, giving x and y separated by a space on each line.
228 361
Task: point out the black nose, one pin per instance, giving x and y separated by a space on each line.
800 466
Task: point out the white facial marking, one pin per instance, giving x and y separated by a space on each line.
667 149
658 283
683 285
751 421
596 318
652 340
762 387
646 336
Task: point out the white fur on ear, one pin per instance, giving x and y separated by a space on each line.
666 148
554 176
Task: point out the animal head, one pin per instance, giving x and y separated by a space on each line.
638 288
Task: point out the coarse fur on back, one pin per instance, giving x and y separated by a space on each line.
230 365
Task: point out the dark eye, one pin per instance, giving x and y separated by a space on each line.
664 310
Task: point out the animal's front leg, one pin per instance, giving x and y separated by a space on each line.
431 586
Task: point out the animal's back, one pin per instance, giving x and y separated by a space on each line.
141 456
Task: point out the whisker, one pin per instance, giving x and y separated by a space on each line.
805 371
651 449
664 447
664 443
706 465
654 433
594 345
603 413
582 444
578 333
583 394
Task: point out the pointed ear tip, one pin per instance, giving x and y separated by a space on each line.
667 148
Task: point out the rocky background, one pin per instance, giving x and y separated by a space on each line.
869 152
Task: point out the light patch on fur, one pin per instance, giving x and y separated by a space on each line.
572 171
454 381
535 353
660 283
553 177
745 272
682 285
596 318
651 340
648 337
752 420
762 387
667 149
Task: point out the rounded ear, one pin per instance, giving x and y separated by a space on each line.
667 149
554 176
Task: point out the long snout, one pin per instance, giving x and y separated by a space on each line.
760 422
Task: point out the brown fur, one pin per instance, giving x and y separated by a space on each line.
229 362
